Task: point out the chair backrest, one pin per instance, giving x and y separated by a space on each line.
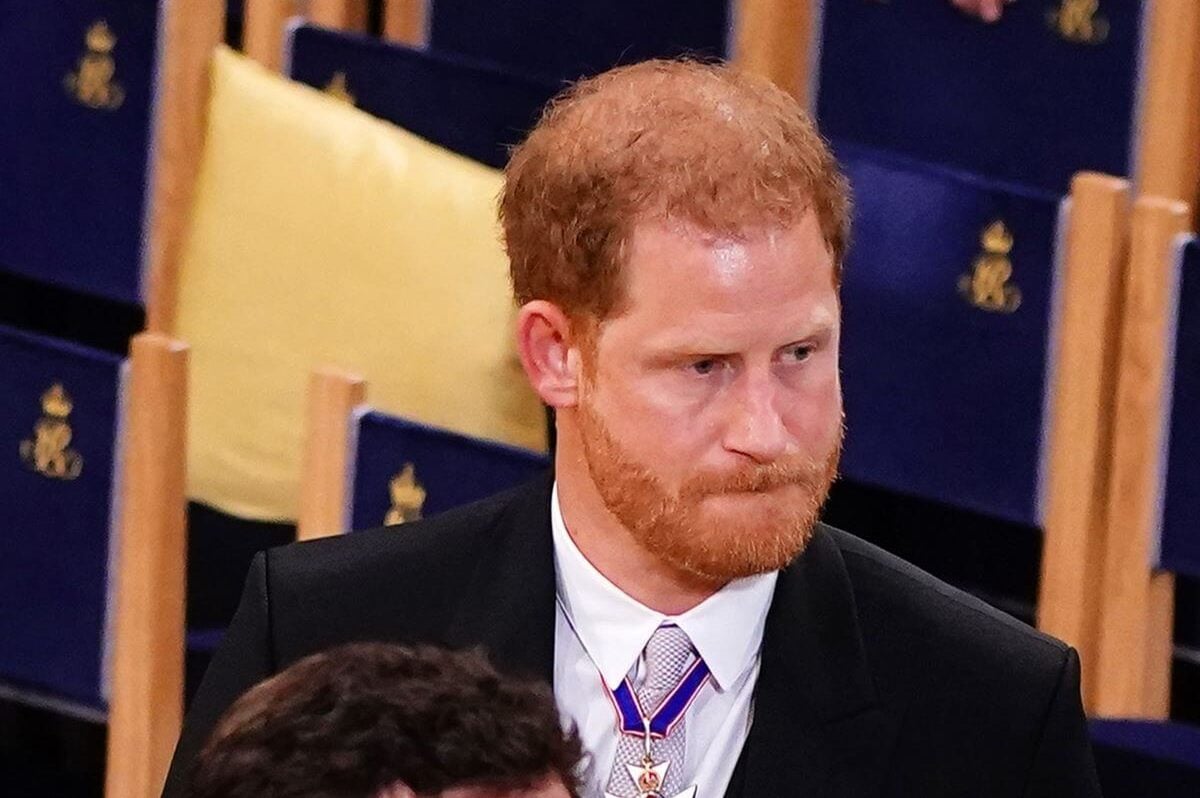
974 370
60 411
565 41
1048 91
769 37
1178 548
364 468
404 470
76 137
473 108
104 101
92 543
947 297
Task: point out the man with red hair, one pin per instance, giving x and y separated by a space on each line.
676 232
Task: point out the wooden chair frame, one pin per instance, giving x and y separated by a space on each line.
1133 664
1081 387
332 397
146 692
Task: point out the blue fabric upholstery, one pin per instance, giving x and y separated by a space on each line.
451 469
943 398
72 177
1180 543
54 532
564 41
1014 100
1146 758
473 108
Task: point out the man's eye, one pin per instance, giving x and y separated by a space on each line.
707 366
799 354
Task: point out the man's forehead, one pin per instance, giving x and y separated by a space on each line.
678 266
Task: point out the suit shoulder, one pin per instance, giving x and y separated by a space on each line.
904 607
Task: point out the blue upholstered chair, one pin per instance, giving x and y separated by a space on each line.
101 105
1048 91
78 91
364 468
947 297
471 107
971 374
1178 548
59 412
1153 528
92 544
565 41
1152 533
403 469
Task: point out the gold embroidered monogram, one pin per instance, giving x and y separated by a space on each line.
92 83
1078 21
408 497
987 287
47 452
339 89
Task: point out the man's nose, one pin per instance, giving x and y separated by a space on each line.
755 427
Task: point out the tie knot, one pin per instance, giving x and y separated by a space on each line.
668 653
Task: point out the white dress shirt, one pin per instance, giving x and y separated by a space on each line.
600 633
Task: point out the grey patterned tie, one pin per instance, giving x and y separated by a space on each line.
668 655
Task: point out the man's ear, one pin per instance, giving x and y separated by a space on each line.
549 353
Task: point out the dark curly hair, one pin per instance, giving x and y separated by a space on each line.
354 721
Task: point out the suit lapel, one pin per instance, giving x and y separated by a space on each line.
818 728
507 601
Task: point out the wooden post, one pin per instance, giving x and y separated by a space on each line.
1168 146
348 15
773 38
263 29
146 696
1133 668
190 31
406 21
1083 387
332 397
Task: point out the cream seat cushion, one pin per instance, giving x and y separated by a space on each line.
323 236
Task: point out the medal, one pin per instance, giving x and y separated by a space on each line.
650 776
649 779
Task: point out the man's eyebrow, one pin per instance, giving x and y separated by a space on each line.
685 347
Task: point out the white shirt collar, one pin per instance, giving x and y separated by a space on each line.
726 628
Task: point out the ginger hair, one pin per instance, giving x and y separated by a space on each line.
664 140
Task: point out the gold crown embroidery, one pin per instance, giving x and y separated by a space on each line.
48 453
1079 21
408 497
92 83
987 287
339 89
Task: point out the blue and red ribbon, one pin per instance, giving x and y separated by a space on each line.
633 720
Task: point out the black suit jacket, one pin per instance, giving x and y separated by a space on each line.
876 679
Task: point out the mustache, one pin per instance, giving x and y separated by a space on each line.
757 478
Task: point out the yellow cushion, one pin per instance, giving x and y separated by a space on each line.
321 235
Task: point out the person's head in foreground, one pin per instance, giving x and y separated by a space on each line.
371 720
675 231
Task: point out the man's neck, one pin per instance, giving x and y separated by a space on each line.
614 552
